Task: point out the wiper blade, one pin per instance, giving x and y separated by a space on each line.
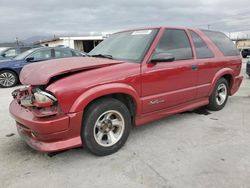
102 55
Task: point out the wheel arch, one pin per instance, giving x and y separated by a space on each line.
9 69
123 92
226 73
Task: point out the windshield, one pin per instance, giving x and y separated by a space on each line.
24 54
129 45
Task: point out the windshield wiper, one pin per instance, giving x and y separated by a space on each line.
102 56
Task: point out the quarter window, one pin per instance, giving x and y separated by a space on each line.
225 45
175 42
201 48
76 53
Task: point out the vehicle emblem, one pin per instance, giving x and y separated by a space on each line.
156 101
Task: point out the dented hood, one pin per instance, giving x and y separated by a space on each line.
41 73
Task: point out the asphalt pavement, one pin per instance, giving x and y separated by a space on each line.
194 149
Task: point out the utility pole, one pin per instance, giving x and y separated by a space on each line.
208 26
17 43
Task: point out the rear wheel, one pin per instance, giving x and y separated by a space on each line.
8 79
218 98
106 126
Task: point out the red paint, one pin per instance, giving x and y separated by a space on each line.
175 84
51 68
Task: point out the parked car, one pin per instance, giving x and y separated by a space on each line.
245 52
10 69
131 78
12 52
248 68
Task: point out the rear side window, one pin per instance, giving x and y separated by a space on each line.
61 53
225 45
201 48
76 53
175 42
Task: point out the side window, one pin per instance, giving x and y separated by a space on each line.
61 53
225 45
201 48
175 42
41 55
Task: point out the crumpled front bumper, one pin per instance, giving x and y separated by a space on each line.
47 134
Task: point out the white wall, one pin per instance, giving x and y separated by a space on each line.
53 43
68 42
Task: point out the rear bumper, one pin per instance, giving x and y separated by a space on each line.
47 134
236 84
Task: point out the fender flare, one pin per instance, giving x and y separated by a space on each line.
218 75
93 93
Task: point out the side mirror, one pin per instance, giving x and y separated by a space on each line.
4 55
30 59
162 57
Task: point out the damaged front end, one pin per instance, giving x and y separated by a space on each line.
40 103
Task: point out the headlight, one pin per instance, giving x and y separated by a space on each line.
40 103
42 98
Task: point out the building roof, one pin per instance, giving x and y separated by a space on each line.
90 37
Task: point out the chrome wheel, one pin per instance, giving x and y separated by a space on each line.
7 79
221 94
109 128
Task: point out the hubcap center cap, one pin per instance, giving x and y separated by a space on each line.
106 126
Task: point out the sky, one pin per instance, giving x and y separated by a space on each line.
24 19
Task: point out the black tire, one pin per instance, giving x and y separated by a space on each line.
13 79
213 99
92 115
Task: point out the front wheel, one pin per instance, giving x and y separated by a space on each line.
218 98
106 126
8 79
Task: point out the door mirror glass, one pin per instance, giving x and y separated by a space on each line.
162 57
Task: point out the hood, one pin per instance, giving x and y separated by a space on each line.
42 72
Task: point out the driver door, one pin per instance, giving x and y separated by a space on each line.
168 84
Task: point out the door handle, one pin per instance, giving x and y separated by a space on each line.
194 67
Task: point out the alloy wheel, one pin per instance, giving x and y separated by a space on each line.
109 128
221 94
7 79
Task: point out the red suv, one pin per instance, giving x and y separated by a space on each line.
131 78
